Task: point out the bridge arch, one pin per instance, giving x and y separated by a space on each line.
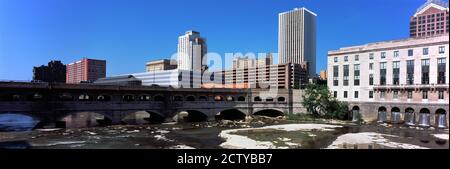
269 113
190 98
178 98
203 98
441 118
128 98
218 98
65 97
410 117
191 116
144 97
231 114
269 99
143 117
103 97
241 99
18 121
395 115
281 99
424 117
257 99
230 98
85 97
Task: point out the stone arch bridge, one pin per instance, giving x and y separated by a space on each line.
49 103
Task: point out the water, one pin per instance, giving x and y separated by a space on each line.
16 122
200 135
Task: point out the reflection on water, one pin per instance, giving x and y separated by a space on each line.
16 122
83 119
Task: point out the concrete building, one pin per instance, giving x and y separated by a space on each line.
399 81
246 62
283 76
85 70
431 19
54 71
163 64
192 50
297 38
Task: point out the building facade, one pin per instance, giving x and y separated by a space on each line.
323 75
431 19
85 70
55 71
192 50
246 62
297 38
158 65
398 81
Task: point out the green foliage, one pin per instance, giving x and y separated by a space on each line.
318 101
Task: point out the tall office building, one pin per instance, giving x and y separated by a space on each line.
297 38
85 70
192 52
431 19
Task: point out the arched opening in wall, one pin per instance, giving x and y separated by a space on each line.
410 117
84 97
257 99
36 97
10 122
441 118
203 98
232 114
356 115
84 120
103 98
395 115
218 98
382 114
178 98
281 99
269 113
269 99
190 99
230 98
65 97
128 98
158 98
191 116
144 98
424 117
241 99
143 117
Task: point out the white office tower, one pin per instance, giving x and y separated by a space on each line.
192 52
297 38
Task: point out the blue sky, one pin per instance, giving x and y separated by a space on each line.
128 33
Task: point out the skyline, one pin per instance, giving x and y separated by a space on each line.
111 32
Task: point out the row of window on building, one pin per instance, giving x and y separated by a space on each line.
425 63
425 52
395 94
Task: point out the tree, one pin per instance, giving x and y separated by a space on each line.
318 101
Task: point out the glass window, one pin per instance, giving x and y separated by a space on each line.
425 51
370 94
335 59
424 94
382 94
395 94
335 94
441 49
356 94
441 95
426 62
396 54
410 52
370 66
356 57
346 58
410 94
345 94
383 55
371 56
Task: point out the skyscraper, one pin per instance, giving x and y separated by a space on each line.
85 70
192 52
431 19
297 38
